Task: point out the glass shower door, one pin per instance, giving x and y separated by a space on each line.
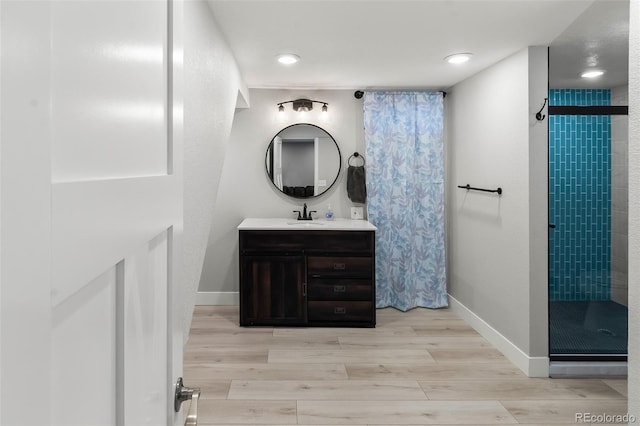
587 226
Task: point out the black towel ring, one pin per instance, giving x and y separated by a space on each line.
355 155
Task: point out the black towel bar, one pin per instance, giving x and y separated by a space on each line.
469 187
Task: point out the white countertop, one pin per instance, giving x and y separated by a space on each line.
281 224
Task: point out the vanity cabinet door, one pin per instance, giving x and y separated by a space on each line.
273 290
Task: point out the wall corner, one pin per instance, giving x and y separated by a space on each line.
538 202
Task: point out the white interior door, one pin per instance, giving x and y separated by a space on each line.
91 189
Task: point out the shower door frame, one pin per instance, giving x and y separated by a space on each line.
609 110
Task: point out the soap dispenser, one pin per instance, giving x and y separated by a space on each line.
329 214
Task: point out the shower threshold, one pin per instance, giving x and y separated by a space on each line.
558 369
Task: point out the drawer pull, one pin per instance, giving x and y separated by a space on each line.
339 288
339 310
339 266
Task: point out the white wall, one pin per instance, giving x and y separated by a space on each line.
497 245
212 86
634 209
245 190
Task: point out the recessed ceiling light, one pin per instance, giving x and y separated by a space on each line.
458 58
592 74
288 58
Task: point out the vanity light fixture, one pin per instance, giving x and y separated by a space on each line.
592 74
288 58
458 58
303 105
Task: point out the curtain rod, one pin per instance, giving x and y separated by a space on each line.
358 94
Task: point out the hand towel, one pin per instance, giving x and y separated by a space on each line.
356 184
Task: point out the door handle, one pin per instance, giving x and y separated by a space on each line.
184 394
192 415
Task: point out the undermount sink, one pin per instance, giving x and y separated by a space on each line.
305 223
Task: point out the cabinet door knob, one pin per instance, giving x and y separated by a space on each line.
339 288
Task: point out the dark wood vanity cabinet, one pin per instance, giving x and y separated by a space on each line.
307 278
274 290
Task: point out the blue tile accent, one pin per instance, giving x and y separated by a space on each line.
580 199
579 97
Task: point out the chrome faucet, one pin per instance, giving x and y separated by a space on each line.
304 215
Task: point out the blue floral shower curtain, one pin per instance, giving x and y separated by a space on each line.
405 186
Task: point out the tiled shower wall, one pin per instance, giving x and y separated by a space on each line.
580 198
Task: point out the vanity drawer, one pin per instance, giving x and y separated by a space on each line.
339 289
339 311
342 266
308 241
331 242
272 241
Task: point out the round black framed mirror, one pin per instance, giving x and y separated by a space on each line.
303 160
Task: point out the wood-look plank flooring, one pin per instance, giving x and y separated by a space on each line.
418 367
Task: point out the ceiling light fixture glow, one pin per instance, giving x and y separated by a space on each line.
288 58
458 58
592 74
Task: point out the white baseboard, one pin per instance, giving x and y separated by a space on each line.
531 366
218 298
